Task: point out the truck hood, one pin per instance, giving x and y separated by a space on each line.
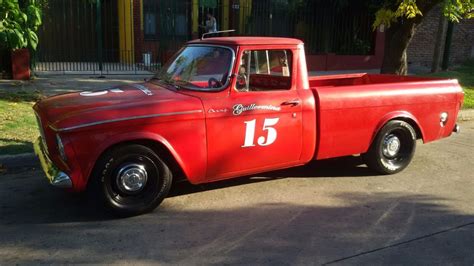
117 103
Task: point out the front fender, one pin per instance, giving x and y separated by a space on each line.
186 142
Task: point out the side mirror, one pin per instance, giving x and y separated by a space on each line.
241 84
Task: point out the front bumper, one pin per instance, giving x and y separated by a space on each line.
55 176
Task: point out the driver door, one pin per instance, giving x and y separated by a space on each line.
258 127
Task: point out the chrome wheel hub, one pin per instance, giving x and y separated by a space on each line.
391 146
132 178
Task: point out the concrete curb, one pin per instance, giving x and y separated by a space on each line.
465 115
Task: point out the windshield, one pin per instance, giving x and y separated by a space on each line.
198 68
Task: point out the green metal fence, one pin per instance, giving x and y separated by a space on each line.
339 27
336 27
83 35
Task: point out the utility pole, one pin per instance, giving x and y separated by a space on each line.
438 49
98 29
447 46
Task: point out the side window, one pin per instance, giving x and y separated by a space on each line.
264 70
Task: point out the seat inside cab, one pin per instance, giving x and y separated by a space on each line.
266 70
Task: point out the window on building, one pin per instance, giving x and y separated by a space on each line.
340 27
166 18
150 19
265 70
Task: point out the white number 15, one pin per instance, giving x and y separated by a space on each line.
262 141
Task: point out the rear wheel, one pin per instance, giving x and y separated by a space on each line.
393 148
131 180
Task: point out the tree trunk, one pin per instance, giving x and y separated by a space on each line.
5 64
397 39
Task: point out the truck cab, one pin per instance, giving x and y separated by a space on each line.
264 94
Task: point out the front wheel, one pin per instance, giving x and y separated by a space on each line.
131 180
392 149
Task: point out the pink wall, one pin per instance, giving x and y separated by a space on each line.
329 62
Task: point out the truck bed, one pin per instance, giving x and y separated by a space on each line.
352 107
363 79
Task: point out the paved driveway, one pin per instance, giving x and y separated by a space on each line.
334 211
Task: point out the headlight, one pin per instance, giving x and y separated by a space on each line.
60 145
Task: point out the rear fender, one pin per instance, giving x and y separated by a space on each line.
401 115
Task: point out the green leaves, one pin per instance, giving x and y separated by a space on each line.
389 12
385 17
32 38
455 10
408 9
34 13
18 25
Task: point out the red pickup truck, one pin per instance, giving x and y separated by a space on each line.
231 106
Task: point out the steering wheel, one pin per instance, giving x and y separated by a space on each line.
214 83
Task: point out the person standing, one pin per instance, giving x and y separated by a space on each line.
211 23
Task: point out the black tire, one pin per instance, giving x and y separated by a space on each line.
392 149
130 180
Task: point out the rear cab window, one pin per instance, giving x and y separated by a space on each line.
264 70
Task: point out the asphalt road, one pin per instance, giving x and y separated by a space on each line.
334 211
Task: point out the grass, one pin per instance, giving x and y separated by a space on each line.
465 75
18 127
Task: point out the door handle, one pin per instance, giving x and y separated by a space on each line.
291 102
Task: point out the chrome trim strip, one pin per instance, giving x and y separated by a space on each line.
124 119
143 89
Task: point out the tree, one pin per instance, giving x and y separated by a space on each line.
401 18
19 22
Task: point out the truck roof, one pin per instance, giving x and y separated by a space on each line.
247 40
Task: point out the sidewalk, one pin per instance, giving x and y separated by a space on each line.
466 115
56 84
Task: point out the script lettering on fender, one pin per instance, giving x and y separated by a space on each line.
240 108
222 110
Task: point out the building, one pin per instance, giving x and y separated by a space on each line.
336 37
141 34
422 47
133 35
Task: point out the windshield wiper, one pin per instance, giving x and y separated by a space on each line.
168 82
185 84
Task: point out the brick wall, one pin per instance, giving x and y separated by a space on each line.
463 41
421 49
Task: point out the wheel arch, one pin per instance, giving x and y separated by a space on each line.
403 116
157 143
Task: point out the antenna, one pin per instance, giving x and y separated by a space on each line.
215 32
